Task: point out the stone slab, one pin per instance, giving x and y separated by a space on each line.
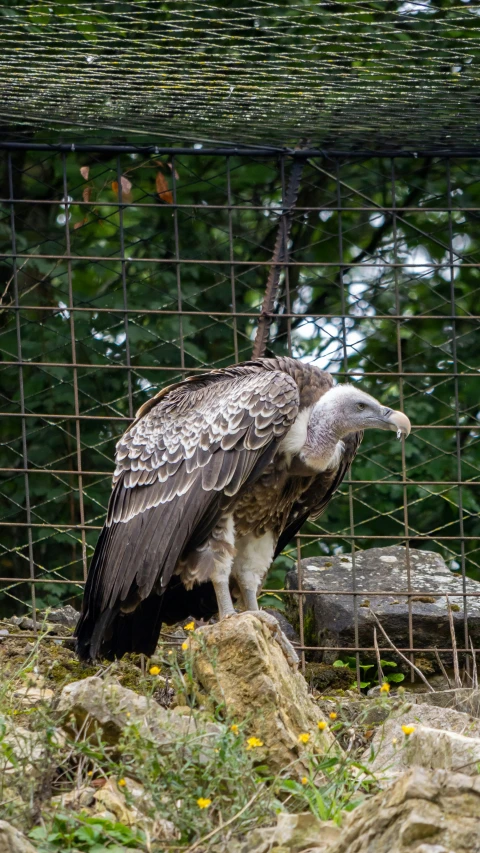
330 619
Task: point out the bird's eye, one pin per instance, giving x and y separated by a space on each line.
361 406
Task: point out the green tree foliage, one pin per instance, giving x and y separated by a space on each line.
398 276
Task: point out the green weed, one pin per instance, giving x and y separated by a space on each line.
390 678
89 834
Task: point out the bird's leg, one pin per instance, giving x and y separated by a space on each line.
222 545
249 597
224 598
251 564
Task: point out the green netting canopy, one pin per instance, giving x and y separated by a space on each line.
336 75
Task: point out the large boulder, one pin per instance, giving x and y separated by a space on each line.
442 738
424 811
240 664
329 619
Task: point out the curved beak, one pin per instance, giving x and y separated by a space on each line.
398 422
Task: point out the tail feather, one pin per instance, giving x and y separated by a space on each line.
115 633
131 568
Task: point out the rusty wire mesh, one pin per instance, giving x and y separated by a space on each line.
125 269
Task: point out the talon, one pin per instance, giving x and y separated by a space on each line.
284 643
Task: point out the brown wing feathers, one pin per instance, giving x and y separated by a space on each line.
177 466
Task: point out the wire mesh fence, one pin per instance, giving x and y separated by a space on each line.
343 74
125 269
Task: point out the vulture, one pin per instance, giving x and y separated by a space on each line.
212 480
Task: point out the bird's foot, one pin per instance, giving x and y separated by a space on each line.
228 615
278 635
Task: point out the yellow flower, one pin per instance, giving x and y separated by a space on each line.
170 652
234 729
408 730
304 780
304 737
253 742
385 688
90 773
189 627
394 741
122 783
154 670
203 802
333 715
322 725
184 646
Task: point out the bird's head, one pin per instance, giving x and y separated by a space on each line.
348 410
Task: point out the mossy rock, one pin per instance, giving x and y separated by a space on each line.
59 665
324 677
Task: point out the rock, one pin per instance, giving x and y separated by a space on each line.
105 703
178 633
12 840
109 800
293 833
25 623
298 831
322 677
329 619
31 696
460 699
182 710
66 616
240 664
20 749
442 750
428 811
438 682
393 754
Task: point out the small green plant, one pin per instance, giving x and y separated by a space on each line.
331 785
89 834
351 663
